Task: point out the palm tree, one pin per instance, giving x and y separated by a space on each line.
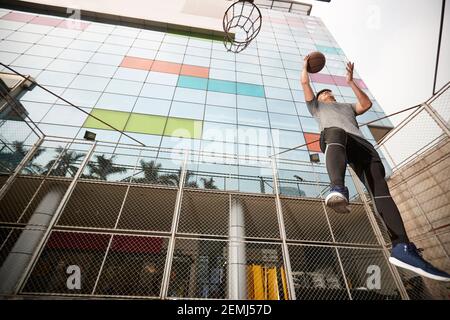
103 167
208 183
66 163
10 160
151 172
174 179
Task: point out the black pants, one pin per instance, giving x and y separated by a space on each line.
341 148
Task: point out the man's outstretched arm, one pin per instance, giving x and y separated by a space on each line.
364 102
307 90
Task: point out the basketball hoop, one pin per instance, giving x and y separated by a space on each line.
243 19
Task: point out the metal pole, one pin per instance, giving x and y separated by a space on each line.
261 184
20 166
438 51
55 218
175 221
116 224
379 235
284 247
237 258
101 266
341 266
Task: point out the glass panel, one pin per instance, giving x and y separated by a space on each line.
281 121
115 118
117 102
152 106
131 74
157 91
302 109
275 72
310 125
142 53
256 118
222 74
254 135
52 78
39 95
76 55
184 128
281 106
27 61
124 87
100 70
142 123
247 67
66 66
192 82
220 114
198 52
278 93
222 86
249 78
275 82
162 78
196 61
113 49
187 110
219 132
287 139
80 98
190 95
44 51
65 114
90 83
221 99
223 64
171 57
253 103
248 89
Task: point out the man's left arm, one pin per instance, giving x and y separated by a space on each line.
364 102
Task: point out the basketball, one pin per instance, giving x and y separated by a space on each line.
316 62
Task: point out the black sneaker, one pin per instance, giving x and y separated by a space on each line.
407 256
337 199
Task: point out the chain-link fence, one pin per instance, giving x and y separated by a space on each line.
16 138
135 222
317 273
440 103
418 150
83 218
419 133
368 275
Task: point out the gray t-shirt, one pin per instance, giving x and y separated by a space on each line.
341 115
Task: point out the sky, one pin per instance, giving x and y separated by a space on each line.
393 45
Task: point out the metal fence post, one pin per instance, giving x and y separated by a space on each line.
20 166
378 234
115 226
54 219
330 228
175 221
284 247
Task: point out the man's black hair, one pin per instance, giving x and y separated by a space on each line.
321 91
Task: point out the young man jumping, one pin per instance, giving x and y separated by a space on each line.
342 142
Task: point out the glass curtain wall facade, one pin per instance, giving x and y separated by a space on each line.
173 90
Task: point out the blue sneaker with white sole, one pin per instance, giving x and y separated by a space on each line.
407 256
337 199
